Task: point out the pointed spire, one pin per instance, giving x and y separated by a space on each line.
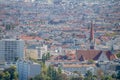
92 41
92 31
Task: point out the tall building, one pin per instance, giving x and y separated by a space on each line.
2 54
11 49
27 69
92 40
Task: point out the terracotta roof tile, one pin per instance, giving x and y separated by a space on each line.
93 54
25 37
110 55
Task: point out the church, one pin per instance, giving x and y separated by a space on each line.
92 53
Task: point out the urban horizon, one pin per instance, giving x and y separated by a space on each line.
59 40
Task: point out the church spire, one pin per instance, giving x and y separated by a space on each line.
92 42
92 32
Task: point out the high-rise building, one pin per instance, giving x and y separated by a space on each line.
11 50
27 69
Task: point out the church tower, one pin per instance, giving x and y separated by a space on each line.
92 32
112 48
92 40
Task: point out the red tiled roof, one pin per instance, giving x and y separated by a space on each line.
93 54
110 55
81 36
25 37
72 56
88 54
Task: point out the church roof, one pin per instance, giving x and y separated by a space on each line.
110 55
93 54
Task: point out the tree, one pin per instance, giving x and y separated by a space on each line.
118 75
76 78
44 77
31 79
43 58
59 70
107 78
118 55
114 76
100 73
51 72
95 77
13 73
55 74
62 77
89 73
89 76
16 58
7 76
2 76
44 69
48 56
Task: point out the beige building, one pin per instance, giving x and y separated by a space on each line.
36 53
31 53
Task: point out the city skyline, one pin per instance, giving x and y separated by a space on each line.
59 39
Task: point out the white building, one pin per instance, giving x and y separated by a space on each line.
42 50
82 68
27 69
11 49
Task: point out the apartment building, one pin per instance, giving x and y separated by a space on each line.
11 50
27 69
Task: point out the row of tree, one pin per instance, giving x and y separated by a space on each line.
53 74
49 73
45 57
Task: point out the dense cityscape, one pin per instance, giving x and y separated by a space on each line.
59 40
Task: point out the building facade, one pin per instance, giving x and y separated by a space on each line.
42 50
27 69
11 50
